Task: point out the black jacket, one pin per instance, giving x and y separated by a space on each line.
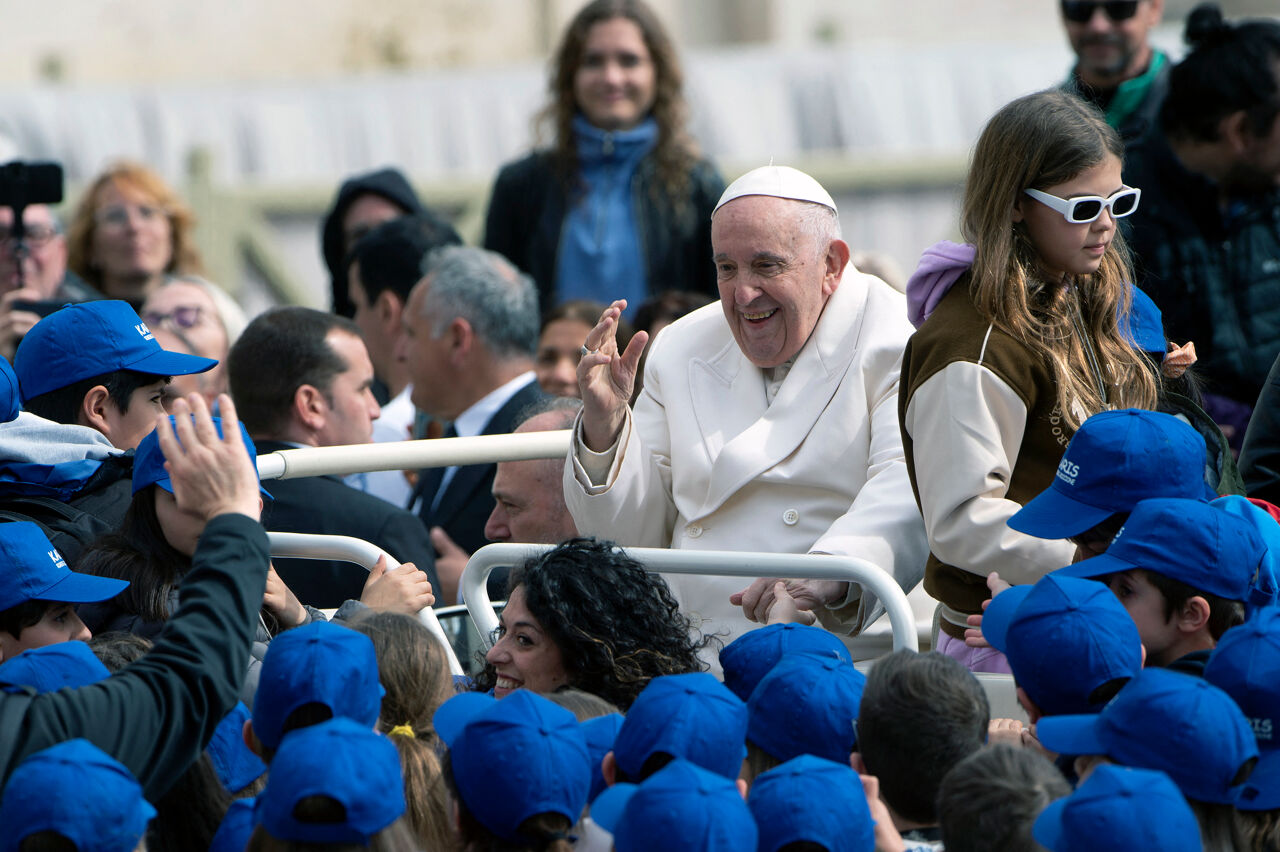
467 502
527 210
328 506
158 714
1214 274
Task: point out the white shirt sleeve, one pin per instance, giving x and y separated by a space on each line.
966 427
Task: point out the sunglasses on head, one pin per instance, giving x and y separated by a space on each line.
1080 11
182 317
1086 208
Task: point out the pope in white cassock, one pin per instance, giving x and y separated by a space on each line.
766 423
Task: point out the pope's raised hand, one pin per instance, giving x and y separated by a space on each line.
606 378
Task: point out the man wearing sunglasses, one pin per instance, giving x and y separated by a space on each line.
1116 68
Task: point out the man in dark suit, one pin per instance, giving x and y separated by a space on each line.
470 331
301 378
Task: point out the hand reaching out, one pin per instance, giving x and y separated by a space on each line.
405 589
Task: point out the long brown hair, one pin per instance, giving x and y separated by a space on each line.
1035 142
675 152
414 673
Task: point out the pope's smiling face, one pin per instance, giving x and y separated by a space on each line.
775 273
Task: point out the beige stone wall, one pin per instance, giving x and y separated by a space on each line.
160 41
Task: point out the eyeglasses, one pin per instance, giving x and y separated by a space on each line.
182 317
32 235
117 215
1086 208
1080 11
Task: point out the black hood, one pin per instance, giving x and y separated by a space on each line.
389 183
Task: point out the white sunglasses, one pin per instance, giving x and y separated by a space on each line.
1086 208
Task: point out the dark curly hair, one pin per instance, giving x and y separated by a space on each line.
676 152
617 625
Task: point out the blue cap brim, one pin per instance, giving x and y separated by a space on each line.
998 615
1095 567
453 715
607 809
1262 791
166 363
1070 734
83 588
1048 830
1052 514
167 484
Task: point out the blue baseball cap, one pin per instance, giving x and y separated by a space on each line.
688 716
1145 328
1165 720
148 459
1265 588
34 570
237 767
1114 460
317 663
814 800
91 339
1063 637
1118 809
52 667
680 808
514 758
10 397
1185 540
599 734
806 705
748 658
77 790
347 762
1246 666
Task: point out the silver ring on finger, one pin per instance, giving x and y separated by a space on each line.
585 351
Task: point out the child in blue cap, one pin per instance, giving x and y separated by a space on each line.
52 667
333 786
1177 724
1246 665
97 364
310 674
1182 569
680 808
1120 810
38 592
1070 644
74 792
688 716
813 801
749 658
518 768
806 704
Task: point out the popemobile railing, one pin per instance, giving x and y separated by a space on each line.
347 549
717 563
442 452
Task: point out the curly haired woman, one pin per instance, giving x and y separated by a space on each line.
586 615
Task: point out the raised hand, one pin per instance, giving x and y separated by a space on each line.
606 378
211 476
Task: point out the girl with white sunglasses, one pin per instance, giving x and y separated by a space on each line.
1023 334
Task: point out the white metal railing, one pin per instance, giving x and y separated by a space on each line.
720 563
411 455
348 549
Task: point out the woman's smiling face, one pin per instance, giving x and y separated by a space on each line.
524 655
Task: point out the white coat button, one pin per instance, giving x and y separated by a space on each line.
791 517
693 530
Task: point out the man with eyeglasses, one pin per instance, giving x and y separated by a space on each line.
1116 68
40 277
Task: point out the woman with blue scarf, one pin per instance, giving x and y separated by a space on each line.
619 207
